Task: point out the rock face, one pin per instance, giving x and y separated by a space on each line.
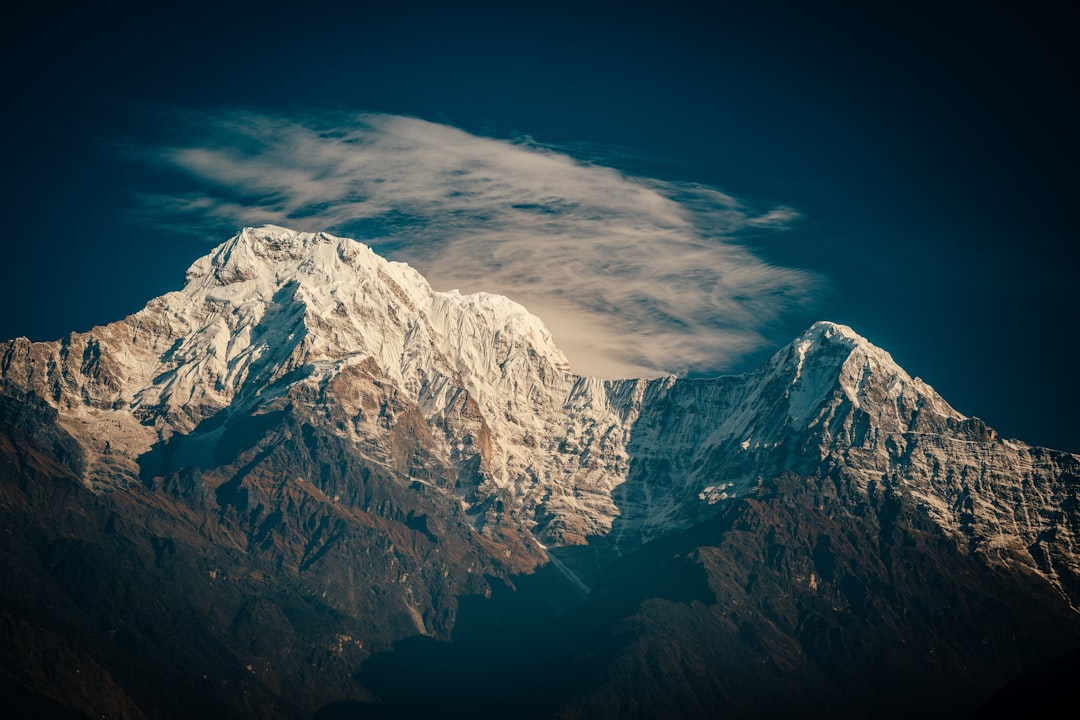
236 499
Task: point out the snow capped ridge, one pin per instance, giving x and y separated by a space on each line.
271 312
827 329
831 342
341 285
320 258
468 394
830 357
830 392
270 254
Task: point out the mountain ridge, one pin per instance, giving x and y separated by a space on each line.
308 422
273 309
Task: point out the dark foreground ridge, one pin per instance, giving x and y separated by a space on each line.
106 616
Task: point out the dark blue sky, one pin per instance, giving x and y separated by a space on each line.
930 151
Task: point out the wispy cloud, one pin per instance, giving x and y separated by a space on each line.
634 275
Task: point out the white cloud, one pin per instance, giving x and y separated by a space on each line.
633 275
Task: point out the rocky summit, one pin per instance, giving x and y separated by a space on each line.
309 485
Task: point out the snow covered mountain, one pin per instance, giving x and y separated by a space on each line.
831 400
322 422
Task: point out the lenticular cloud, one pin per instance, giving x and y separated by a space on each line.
634 276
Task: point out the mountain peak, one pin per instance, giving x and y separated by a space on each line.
834 345
835 340
269 253
828 330
830 363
